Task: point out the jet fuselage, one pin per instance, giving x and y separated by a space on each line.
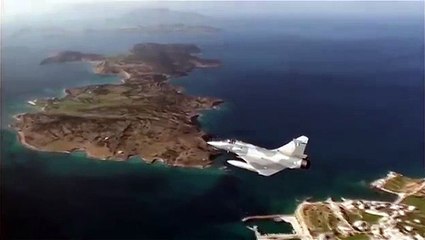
266 161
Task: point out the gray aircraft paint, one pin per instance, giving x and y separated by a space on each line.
266 161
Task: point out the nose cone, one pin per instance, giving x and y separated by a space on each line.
217 144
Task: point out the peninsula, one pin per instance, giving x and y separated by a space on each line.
71 56
357 219
143 116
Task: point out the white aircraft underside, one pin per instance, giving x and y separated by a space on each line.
266 162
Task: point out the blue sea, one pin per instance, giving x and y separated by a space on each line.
355 86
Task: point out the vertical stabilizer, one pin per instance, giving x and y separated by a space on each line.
295 148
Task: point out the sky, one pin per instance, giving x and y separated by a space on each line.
21 7
15 9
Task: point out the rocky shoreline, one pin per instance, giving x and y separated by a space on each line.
144 115
358 218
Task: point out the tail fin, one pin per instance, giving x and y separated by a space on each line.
295 148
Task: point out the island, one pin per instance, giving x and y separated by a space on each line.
144 115
357 219
71 56
172 28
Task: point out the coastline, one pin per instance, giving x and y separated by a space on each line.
125 77
21 139
356 217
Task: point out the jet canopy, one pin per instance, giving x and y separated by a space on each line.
232 141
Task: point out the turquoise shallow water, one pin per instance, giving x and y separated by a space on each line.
358 98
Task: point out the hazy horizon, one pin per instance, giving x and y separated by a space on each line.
14 10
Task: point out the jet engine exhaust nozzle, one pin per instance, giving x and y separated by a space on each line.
305 163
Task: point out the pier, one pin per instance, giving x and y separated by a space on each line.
299 233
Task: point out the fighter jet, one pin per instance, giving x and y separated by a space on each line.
264 161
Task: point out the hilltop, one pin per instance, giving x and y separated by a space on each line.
143 116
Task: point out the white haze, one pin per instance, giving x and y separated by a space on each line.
40 10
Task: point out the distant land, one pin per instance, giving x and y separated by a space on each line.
357 219
170 28
143 116
154 16
71 56
127 16
148 29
